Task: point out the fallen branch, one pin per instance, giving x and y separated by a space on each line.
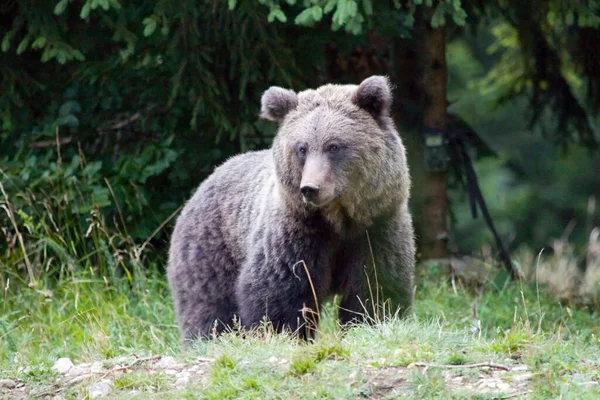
115 126
49 143
128 366
460 366
512 396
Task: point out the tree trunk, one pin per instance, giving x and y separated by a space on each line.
433 215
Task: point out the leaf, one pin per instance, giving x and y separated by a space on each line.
317 13
438 18
352 8
78 55
329 6
115 4
569 18
6 40
305 18
69 107
460 17
339 16
150 26
277 14
368 7
39 42
85 10
60 7
23 45
48 54
70 121
231 4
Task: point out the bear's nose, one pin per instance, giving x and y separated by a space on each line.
309 192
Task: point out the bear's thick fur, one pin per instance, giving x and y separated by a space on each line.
324 211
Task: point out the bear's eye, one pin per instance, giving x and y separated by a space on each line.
332 148
302 151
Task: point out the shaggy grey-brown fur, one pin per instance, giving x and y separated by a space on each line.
324 211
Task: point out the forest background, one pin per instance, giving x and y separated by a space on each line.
113 112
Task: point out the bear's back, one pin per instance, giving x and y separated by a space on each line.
225 205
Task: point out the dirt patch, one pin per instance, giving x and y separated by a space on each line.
128 375
101 378
488 379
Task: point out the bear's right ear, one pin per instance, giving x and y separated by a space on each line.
276 102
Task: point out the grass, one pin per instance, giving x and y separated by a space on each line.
88 319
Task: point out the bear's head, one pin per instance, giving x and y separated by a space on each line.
337 150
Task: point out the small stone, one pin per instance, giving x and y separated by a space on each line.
183 374
522 377
7 384
166 363
96 367
63 365
77 370
182 382
100 389
122 360
170 372
273 359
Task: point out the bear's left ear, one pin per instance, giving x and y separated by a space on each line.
374 95
276 102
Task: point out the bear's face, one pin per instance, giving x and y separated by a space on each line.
333 143
323 151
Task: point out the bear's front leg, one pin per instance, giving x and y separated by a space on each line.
284 279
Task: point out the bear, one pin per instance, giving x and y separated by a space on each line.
324 212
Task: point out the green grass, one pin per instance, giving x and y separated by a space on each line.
89 319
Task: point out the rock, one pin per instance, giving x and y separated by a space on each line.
96 367
122 360
63 365
100 389
182 382
522 377
7 384
183 374
77 370
166 363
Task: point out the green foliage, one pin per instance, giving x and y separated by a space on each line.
534 189
353 15
131 86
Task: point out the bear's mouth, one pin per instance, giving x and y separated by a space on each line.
319 203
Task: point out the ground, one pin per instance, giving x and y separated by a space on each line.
505 341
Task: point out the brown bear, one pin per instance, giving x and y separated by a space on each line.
272 233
